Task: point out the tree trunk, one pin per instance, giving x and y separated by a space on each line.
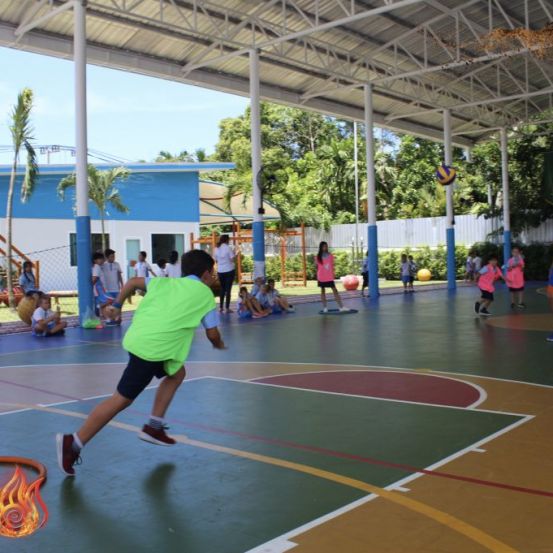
9 206
103 232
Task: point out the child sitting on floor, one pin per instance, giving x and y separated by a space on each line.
256 288
248 306
265 300
278 300
45 322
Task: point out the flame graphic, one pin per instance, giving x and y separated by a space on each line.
19 502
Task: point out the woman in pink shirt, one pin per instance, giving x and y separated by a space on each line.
515 278
325 275
485 278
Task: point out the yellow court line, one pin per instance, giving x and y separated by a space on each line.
474 534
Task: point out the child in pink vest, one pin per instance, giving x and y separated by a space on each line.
485 278
514 278
325 275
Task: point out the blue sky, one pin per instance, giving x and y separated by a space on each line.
129 116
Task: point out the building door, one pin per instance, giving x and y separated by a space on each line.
132 249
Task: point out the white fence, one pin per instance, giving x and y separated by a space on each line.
427 231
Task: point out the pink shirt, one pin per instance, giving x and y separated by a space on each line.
325 270
488 275
515 272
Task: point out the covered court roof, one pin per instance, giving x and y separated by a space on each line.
421 56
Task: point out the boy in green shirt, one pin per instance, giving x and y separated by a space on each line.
158 342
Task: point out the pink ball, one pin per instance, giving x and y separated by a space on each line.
351 282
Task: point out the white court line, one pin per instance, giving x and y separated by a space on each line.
273 546
390 400
365 367
483 396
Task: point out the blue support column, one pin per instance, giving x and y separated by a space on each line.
451 267
373 261
258 231
84 266
371 192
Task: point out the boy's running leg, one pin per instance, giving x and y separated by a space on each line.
154 431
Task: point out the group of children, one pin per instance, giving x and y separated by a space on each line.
513 276
263 300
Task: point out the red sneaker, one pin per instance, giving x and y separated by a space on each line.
66 455
156 436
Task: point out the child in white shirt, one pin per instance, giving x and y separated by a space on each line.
45 322
142 267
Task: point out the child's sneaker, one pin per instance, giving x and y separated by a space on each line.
112 323
521 306
550 338
291 309
343 309
325 310
156 436
477 307
485 312
67 457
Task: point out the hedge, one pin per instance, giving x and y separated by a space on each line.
538 259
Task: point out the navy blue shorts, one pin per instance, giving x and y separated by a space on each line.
138 375
486 295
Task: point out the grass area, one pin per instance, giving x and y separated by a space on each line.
69 306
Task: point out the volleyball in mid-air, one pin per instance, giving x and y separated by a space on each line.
445 175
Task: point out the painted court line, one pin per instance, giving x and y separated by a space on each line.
376 398
483 395
440 517
378 367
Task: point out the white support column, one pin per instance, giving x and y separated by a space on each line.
356 178
258 227
450 216
84 261
371 193
505 189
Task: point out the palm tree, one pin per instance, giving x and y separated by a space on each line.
21 131
101 191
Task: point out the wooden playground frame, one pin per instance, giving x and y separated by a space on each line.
240 236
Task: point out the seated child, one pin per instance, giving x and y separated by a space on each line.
265 299
278 301
257 283
248 306
27 279
45 322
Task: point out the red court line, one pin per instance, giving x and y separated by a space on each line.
321 450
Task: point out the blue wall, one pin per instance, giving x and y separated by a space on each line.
150 196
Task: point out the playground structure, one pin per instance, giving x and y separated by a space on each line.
276 238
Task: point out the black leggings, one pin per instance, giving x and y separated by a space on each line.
226 280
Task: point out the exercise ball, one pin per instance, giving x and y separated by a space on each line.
350 282
424 275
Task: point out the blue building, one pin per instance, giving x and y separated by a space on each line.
164 208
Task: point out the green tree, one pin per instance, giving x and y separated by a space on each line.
102 191
22 134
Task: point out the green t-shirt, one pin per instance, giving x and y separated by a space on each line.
164 323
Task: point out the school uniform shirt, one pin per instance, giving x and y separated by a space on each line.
264 300
27 282
111 276
224 257
98 272
515 272
469 264
488 275
325 268
477 263
365 266
142 269
173 270
406 269
39 314
412 268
